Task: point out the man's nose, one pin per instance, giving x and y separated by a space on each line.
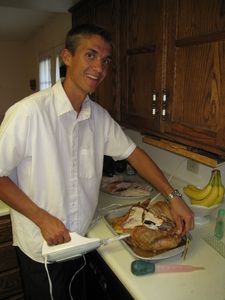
98 65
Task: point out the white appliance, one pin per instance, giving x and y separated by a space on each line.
77 246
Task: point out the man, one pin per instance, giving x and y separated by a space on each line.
52 146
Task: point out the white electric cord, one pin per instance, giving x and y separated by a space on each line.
171 176
99 217
106 207
49 278
70 285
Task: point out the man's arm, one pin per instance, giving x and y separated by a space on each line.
145 166
52 229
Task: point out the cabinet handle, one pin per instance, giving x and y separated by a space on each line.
164 105
154 104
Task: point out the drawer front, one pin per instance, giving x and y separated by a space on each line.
5 229
10 259
10 285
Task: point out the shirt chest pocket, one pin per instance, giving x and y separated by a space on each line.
88 166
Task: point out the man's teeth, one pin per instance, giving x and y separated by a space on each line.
92 77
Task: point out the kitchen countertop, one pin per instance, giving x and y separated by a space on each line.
205 284
4 209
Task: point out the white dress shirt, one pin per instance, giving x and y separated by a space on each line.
56 158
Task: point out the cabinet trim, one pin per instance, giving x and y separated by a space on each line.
184 151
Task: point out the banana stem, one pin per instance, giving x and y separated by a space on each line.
212 178
219 179
216 179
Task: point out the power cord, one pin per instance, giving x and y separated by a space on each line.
171 176
49 278
70 285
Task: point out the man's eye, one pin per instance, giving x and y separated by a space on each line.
90 55
106 61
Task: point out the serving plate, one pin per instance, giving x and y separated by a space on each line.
141 254
125 198
125 188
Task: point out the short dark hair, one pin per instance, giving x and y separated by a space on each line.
76 34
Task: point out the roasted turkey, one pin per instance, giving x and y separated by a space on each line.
151 227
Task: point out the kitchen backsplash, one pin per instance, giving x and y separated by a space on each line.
174 164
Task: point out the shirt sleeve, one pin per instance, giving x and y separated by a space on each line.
118 145
13 139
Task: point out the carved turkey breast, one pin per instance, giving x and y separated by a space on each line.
151 227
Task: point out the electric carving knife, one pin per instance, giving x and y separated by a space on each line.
77 246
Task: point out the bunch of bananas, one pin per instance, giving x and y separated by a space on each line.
210 195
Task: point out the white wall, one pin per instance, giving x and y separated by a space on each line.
19 62
13 76
46 40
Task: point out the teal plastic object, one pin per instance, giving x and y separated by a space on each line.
139 267
219 228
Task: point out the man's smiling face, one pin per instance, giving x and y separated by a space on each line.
90 63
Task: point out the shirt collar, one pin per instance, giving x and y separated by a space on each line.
63 104
85 112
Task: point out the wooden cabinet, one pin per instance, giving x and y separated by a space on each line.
196 74
175 49
105 13
142 64
10 282
175 46
101 282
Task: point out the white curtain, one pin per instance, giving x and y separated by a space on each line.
45 73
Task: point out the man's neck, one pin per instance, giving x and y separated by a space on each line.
76 98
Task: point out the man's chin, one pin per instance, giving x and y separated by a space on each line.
92 90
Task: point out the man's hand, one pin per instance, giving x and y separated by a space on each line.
53 230
182 215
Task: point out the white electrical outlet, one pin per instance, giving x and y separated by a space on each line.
192 166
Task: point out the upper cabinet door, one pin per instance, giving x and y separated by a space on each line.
142 25
196 74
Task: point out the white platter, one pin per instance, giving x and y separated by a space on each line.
167 254
120 187
125 198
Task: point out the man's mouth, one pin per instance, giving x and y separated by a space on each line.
92 77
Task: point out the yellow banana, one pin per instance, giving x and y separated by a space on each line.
221 190
193 187
209 200
200 194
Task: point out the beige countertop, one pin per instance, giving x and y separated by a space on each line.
4 209
202 285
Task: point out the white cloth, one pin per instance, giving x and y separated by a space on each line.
56 158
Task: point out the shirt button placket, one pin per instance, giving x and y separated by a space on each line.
74 177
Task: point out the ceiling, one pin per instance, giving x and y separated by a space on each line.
20 19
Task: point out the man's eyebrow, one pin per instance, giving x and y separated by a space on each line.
92 50
96 52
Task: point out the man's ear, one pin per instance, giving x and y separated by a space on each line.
66 56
